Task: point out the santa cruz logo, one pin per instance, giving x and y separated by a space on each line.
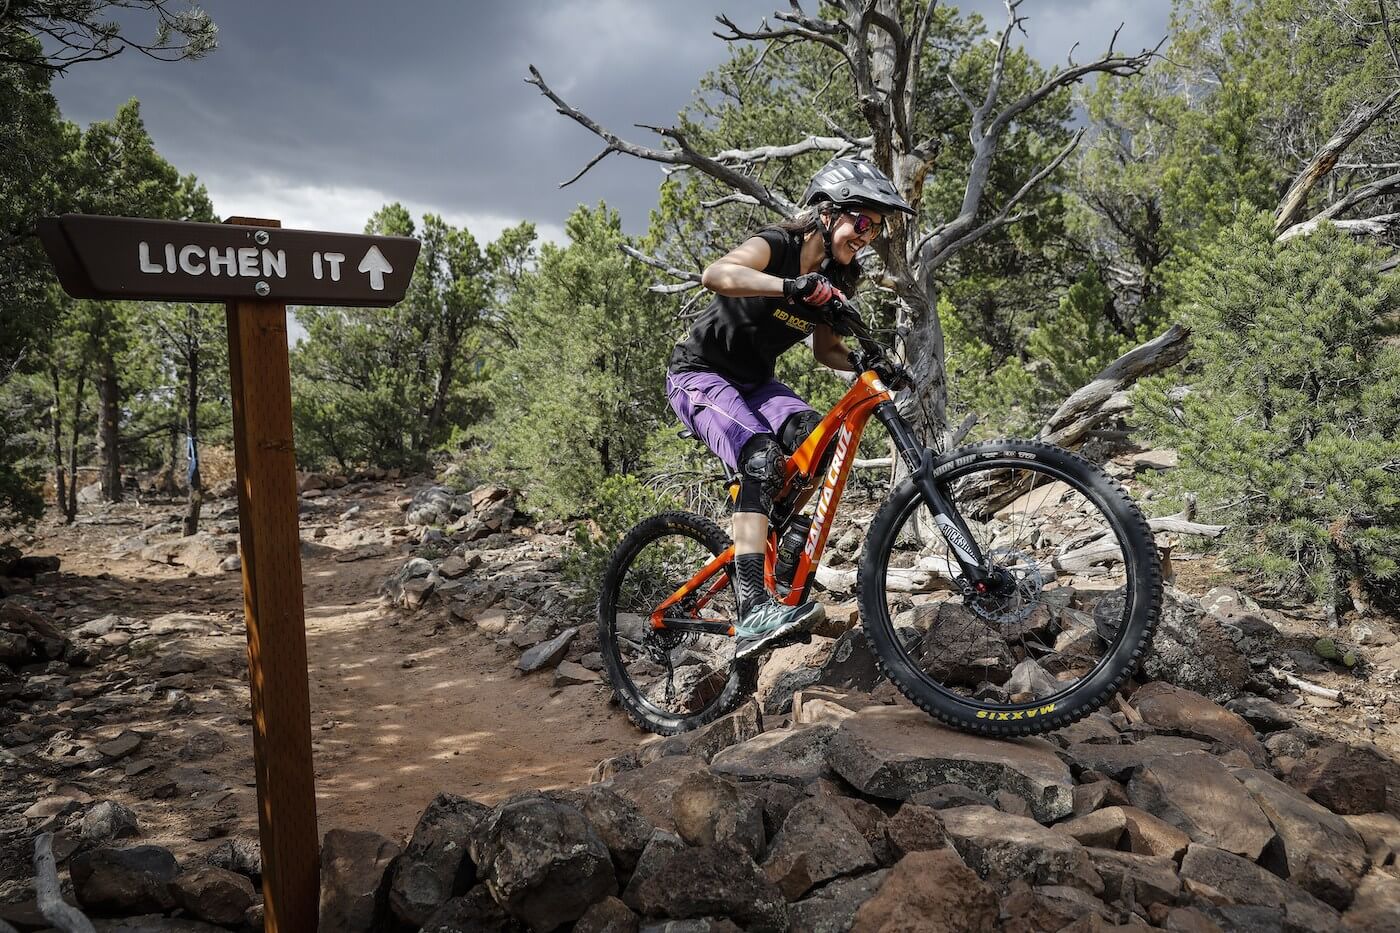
833 475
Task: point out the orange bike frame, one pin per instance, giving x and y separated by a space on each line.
838 433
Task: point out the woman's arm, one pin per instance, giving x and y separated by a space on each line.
739 273
829 350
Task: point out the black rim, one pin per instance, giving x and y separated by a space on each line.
700 653
1104 668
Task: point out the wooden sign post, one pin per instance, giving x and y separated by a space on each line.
257 269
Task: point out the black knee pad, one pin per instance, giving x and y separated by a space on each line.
760 474
797 428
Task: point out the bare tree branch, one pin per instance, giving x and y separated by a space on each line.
834 144
1389 36
1381 187
56 910
1379 226
683 154
1086 406
812 30
688 278
1326 159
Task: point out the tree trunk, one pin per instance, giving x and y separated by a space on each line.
196 500
70 509
109 427
60 486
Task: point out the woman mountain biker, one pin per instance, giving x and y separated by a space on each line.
769 296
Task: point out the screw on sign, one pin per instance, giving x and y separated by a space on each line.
257 268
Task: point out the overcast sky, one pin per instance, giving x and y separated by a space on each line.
317 113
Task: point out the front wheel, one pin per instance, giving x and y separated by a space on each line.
1074 597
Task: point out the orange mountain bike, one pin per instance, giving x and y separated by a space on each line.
1007 587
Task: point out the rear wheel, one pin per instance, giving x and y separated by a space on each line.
669 682
1068 613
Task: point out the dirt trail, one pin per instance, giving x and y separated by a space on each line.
402 707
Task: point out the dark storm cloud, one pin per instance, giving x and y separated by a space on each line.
321 111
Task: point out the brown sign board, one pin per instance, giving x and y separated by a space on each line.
136 259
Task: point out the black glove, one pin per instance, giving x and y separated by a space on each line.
812 288
844 321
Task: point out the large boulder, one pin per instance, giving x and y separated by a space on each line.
1323 854
1120 761
711 881
1224 879
124 881
707 741
929 892
473 912
1193 649
795 755
852 664
651 787
1001 847
1196 794
818 842
213 895
616 820
354 896
1179 711
896 752
435 866
788 670
542 861
1343 778
709 809
960 650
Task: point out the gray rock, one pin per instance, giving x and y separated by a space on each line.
1179 711
659 849
124 881
707 741
651 786
914 828
242 854
571 674
896 752
617 822
818 842
1120 761
213 895
794 756
542 861
851 665
1196 794
436 864
709 809
1226 880
121 746
108 820
1323 855
932 891
548 653
1263 714
354 895
609 915
832 908
473 912
1001 847
201 745
711 881
1136 880
154 923
1193 649
1376 905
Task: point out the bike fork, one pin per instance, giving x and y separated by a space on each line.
950 524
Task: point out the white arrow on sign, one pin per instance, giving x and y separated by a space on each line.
376 265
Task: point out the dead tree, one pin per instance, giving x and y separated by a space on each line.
882 49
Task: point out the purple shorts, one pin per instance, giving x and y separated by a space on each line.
726 415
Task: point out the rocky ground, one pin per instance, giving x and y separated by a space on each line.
1248 780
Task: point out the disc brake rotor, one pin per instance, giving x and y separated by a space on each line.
1015 597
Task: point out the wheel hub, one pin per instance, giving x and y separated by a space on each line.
1012 590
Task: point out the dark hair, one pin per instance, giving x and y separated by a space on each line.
806 221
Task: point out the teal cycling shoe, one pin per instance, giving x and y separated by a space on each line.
772 624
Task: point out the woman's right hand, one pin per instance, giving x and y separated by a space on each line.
812 288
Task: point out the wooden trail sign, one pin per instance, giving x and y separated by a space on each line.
132 259
166 260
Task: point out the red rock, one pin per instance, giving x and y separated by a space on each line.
929 892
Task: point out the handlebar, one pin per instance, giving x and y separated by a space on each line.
871 355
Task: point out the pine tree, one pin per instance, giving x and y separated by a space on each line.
1290 427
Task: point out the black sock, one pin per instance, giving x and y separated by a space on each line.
748 569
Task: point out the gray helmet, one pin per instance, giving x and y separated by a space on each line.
854 183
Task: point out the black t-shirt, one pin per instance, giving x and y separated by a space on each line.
742 338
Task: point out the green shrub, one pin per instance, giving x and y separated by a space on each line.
1288 431
621 502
